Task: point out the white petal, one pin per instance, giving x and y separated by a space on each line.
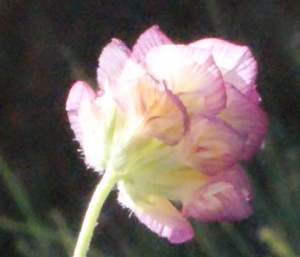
192 74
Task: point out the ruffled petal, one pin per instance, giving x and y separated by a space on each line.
159 215
155 109
211 145
236 62
79 102
192 74
223 198
185 68
86 122
246 117
112 61
167 118
152 37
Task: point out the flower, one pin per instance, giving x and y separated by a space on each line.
174 122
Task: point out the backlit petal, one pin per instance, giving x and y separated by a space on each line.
245 116
152 37
236 62
159 215
149 104
132 70
86 121
112 61
192 74
78 104
224 198
211 145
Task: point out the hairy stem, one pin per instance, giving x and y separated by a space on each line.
106 184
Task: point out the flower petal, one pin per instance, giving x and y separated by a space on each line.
150 105
159 215
211 145
224 198
246 117
112 61
253 96
79 101
152 37
86 122
192 74
236 62
132 70
167 118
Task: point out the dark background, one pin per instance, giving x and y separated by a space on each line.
45 46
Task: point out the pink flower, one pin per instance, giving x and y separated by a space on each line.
173 121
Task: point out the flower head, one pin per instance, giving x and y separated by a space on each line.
173 121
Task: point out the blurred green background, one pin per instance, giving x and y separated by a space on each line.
44 189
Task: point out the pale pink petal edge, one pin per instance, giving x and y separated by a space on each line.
149 39
112 60
80 94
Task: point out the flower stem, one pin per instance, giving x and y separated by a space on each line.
104 187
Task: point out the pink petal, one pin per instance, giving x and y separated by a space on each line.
224 198
112 61
253 96
246 117
236 62
148 102
152 37
79 99
160 216
203 102
192 74
211 145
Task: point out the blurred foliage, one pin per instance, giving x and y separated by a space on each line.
44 188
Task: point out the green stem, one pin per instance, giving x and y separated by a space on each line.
106 184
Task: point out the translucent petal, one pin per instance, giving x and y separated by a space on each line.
246 117
79 102
132 70
223 198
236 62
158 214
192 74
112 61
153 108
211 145
87 124
152 37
